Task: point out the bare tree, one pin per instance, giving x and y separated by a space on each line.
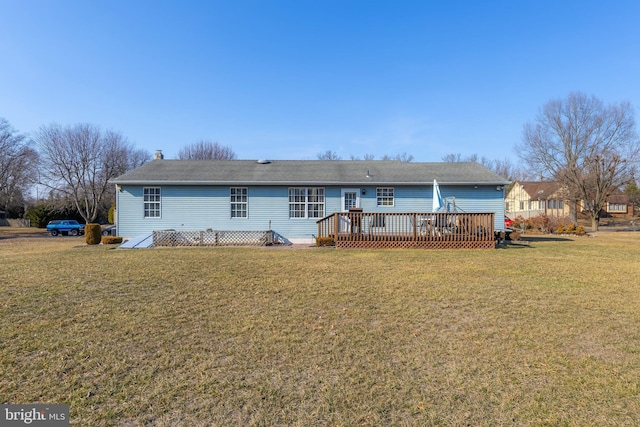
457 157
125 158
206 150
589 147
404 157
329 155
332 155
505 167
452 158
79 161
18 165
367 156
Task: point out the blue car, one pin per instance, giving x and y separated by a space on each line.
65 226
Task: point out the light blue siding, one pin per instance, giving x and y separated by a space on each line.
204 207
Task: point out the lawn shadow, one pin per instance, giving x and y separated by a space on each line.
526 242
546 239
37 235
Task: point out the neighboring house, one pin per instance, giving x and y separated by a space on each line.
529 199
290 196
618 205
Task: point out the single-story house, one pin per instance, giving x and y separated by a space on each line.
618 205
529 199
289 197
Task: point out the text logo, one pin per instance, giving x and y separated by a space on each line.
39 415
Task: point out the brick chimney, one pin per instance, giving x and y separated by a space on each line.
158 155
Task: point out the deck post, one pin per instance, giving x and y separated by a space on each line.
415 226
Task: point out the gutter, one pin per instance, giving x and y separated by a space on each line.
299 183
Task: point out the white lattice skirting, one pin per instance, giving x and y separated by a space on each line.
212 238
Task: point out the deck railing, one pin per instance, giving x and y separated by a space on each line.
409 230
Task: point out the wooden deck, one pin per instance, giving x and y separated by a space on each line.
442 230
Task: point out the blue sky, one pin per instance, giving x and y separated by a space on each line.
291 79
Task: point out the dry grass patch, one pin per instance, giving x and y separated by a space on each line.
540 335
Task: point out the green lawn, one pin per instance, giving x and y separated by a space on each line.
542 335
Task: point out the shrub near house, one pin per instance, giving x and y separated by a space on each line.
571 229
94 234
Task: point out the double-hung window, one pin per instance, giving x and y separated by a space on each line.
384 196
238 198
151 202
307 202
616 207
536 204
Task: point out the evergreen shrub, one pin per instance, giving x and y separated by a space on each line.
112 213
111 240
92 234
325 241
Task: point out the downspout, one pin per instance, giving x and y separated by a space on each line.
115 211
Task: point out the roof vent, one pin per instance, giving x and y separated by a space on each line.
264 161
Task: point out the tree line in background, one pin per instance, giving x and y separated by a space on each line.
65 171
332 155
18 169
62 171
589 147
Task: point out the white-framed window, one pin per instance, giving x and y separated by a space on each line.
555 204
306 202
238 196
616 207
536 204
384 196
522 205
151 197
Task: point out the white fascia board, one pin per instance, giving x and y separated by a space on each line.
299 183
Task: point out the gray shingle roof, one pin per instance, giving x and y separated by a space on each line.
543 189
307 172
